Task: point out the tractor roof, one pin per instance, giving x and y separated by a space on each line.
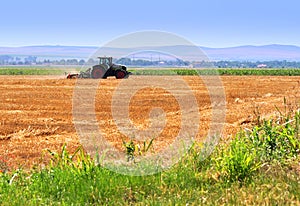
104 57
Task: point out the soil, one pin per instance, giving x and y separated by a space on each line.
36 111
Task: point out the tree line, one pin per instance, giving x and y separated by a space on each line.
33 60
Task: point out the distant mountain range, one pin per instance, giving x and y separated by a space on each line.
254 53
240 53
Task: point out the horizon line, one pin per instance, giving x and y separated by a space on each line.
60 45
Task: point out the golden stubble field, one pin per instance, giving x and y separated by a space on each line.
36 111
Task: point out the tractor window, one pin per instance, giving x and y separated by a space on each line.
104 61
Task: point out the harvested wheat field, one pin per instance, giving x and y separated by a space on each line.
36 111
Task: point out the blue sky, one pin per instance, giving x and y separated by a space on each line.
212 23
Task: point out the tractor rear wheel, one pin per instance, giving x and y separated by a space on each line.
120 74
97 72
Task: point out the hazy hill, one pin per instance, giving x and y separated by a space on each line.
241 53
51 51
254 53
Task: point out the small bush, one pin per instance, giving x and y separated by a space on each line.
277 139
238 161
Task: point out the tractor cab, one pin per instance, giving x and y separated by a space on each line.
105 61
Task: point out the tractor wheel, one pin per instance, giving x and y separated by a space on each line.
120 74
98 72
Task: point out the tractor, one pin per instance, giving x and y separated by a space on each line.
104 69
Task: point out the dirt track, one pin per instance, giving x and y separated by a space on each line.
36 112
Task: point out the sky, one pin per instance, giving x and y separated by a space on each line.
210 23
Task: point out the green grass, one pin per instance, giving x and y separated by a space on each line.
259 166
33 70
238 72
154 71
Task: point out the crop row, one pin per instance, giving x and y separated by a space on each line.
237 72
155 71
